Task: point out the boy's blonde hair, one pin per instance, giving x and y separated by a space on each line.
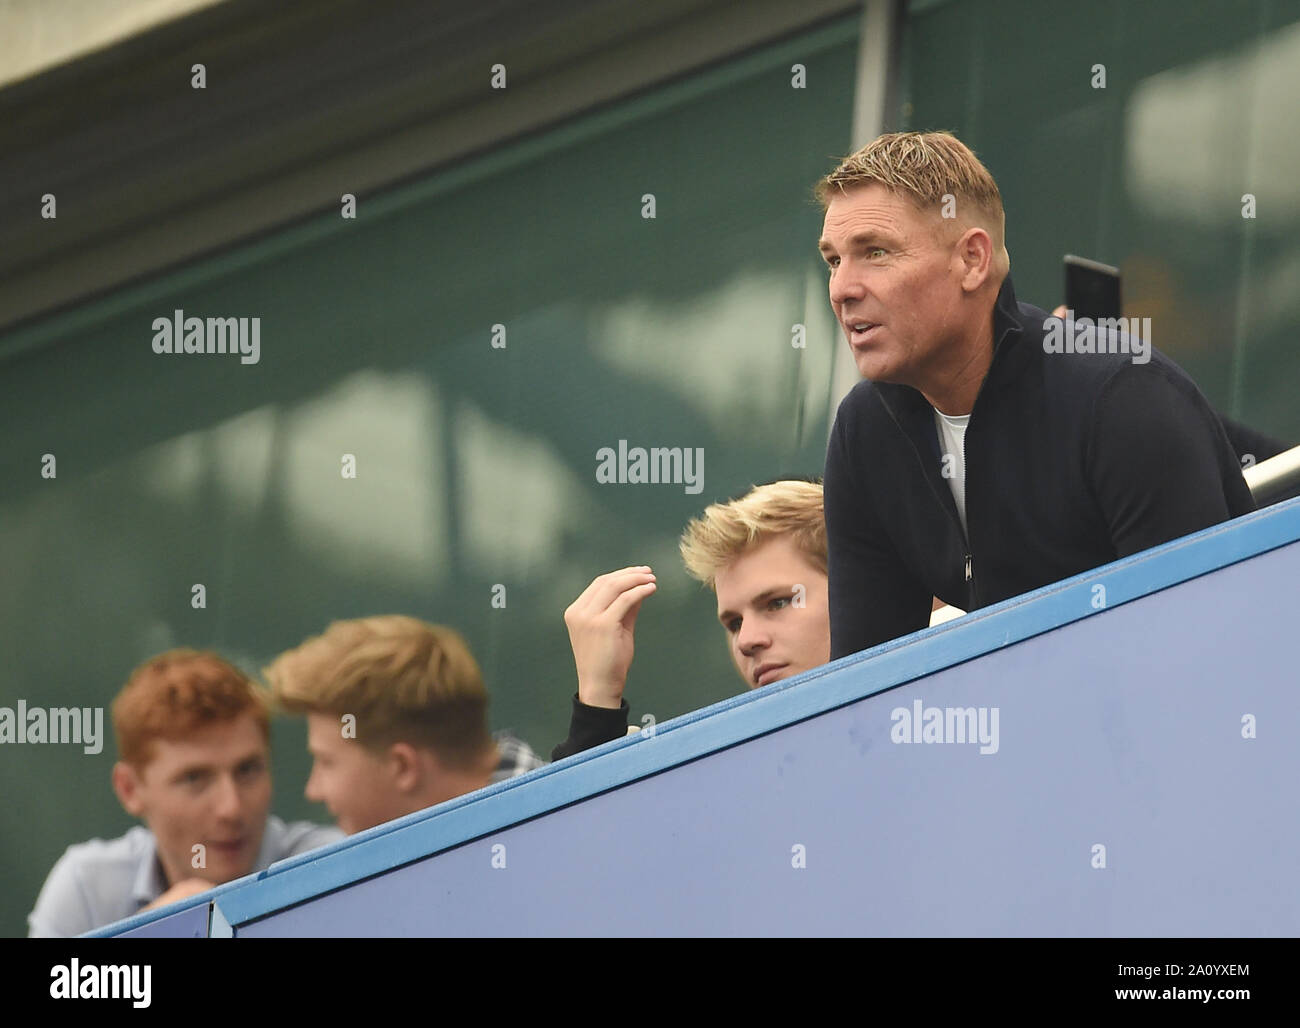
403 679
726 530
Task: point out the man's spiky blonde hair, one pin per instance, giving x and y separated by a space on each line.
926 167
726 530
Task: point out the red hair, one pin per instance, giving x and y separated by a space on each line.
178 692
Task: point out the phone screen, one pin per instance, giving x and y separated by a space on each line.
1091 288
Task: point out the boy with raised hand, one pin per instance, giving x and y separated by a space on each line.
763 554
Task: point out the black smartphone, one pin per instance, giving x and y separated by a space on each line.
1091 288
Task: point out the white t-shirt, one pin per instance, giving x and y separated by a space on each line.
952 440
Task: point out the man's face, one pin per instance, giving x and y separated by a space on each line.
772 603
212 789
891 271
355 783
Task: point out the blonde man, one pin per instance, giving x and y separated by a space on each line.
984 456
396 719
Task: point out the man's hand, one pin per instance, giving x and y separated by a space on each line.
601 624
181 890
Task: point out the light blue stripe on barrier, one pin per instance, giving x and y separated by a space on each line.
218 926
752 714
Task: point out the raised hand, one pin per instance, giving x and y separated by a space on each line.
602 624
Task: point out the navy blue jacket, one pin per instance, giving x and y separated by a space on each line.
1072 461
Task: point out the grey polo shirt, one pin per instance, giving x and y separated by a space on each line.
98 882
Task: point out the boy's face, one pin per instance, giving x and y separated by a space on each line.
210 790
356 784
772 604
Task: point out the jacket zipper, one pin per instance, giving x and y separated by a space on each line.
970 572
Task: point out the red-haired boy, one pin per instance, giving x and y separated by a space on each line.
193 737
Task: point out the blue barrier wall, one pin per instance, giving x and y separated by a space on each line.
188 923
1154 716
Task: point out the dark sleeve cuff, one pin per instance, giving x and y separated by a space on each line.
591 726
